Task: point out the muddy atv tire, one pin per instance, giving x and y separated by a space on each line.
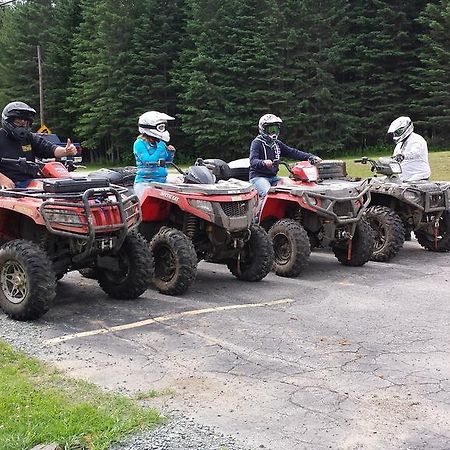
442 241
362 246
135 270
255 260
27 281
291 247
175 261
389 232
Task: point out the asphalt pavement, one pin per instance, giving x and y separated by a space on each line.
340 358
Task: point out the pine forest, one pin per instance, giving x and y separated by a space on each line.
336 71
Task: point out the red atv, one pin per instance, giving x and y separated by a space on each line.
200 218
60 223
302 212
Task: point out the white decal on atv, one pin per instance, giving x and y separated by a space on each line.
169 196
236 198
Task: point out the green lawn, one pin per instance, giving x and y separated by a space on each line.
39 405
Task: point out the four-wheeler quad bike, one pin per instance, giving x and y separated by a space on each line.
397 208
303 213
200 218
59 224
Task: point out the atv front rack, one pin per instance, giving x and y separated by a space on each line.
98 213
101 211
311 198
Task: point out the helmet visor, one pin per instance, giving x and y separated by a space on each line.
399 131
273 128
161 127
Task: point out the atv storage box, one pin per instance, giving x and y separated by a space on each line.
331 169
240 169
67 185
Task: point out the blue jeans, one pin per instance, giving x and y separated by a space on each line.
22 184
263 184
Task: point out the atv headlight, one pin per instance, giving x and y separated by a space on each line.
412 196
203 205
63 216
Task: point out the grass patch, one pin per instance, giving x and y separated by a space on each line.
147 395
39 405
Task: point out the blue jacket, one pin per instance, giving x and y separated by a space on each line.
263 148
147 155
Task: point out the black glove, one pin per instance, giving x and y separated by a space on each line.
399 158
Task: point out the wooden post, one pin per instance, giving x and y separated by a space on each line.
41 86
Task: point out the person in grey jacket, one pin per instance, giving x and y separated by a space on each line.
265 152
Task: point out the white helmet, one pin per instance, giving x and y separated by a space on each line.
401 128
153 123
270 119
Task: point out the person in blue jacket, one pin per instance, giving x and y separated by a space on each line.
265 152
150 147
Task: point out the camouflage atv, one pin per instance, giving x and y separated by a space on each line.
397 208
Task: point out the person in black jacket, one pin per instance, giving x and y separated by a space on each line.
265 152
17 141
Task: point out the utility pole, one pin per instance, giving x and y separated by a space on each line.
41 86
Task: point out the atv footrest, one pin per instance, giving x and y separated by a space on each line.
73 185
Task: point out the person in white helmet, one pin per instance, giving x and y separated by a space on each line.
265 152
411 150
151 146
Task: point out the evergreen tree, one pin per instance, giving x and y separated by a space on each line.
226 74
380 54
316 116
153 52
99 92
58 65
25 25
433 81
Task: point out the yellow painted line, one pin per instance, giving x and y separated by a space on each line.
143 323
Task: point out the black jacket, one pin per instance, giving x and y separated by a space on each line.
262 148
10 148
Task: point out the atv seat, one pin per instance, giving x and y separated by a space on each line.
230 187
123 176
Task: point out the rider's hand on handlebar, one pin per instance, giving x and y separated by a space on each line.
268 163
399 158
314 159
6 183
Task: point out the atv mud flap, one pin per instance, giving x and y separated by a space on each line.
99 212
314 199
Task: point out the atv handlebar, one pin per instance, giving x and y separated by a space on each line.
36 165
